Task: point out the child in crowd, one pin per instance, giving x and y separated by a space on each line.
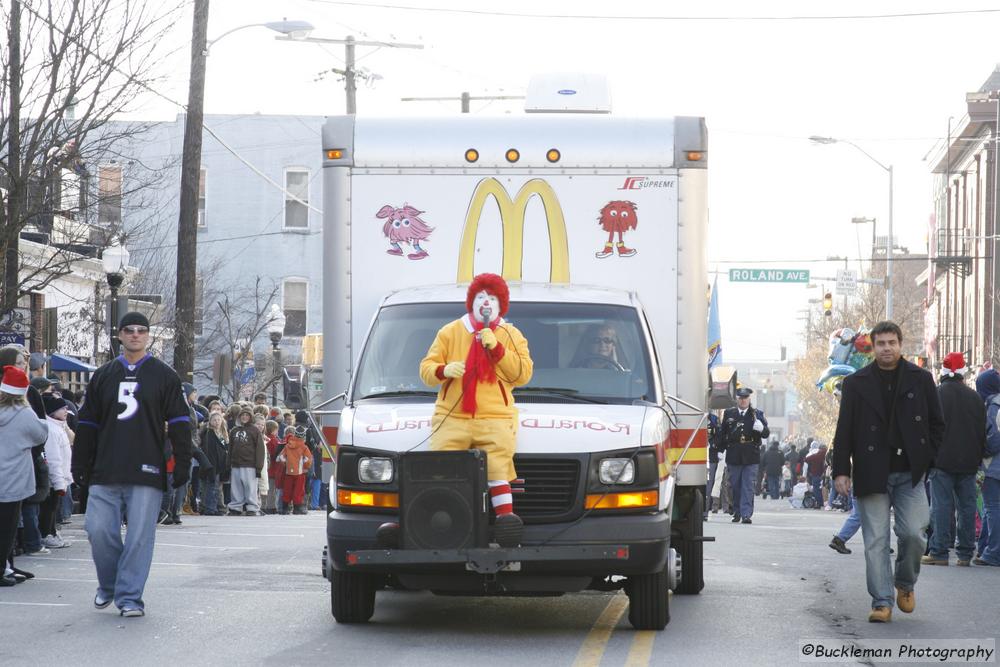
799 493
57 455
274 471
297 459
786 481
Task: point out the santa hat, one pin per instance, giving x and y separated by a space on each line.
953 364
492 284
15 381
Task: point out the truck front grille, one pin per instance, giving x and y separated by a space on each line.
551 487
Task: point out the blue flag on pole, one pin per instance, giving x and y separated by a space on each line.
714 328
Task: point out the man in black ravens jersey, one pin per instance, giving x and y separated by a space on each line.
120 454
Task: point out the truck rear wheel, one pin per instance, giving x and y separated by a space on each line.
692 549
352 596
648 601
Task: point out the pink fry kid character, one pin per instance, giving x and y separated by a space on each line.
403 225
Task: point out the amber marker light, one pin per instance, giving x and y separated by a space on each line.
552 155
349 498
695 156
471 155
513 155
335 154
620 501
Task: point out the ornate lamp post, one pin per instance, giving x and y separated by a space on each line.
115 261
275 329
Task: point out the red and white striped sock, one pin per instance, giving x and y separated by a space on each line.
500 496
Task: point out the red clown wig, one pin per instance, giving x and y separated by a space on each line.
492 284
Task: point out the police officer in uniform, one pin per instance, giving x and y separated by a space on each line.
740 435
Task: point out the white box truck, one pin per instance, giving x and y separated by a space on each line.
413 209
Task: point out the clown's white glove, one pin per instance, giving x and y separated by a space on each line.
488 338
758 425
454 370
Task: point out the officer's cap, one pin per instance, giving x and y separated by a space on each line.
744 392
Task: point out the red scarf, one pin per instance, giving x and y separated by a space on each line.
478 367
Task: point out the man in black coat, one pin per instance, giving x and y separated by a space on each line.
740 435
953 474
773 462
888 431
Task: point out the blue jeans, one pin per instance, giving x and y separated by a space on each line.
912 516
742 479
314 493
31 535
773 486
852 523
817 488
122 569
210 494
989 537
712 469
945 488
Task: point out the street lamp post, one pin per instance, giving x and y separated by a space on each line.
275 329
115 262
890 246
187 221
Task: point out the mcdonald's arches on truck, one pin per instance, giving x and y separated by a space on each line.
529 228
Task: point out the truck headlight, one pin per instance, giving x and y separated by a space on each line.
617 471
375 470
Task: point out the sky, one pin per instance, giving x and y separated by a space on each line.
764 81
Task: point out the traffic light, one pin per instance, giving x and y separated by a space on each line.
827 304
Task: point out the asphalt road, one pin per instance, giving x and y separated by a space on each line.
242 590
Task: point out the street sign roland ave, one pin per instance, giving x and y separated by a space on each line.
768 276
847 281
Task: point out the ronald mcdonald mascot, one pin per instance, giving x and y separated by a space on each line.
477 360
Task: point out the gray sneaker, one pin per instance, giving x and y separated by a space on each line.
132 612
101 603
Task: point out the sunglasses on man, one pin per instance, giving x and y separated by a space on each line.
597 340
132 331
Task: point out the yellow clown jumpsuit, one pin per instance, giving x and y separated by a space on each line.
494 426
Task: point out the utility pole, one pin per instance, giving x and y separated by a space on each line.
350 83
187 223
349 72
15 197
464 99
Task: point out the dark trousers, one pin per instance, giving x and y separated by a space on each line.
9 514
47 514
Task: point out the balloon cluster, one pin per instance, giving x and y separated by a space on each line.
850 351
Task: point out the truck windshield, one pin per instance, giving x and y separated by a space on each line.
582 352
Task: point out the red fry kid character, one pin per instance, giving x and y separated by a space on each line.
617 216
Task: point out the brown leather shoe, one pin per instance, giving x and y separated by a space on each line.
906 600
880 615
931 560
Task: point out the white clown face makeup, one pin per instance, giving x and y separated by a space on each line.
482 303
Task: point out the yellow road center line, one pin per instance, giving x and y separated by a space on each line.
597 639
642 649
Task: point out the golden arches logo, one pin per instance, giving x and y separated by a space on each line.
512 223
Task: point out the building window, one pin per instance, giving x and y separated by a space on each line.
201 199
294 298
296 198
109 194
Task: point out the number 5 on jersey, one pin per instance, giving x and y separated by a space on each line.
126 397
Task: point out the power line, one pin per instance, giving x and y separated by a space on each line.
646 17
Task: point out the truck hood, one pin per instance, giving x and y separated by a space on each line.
543 427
